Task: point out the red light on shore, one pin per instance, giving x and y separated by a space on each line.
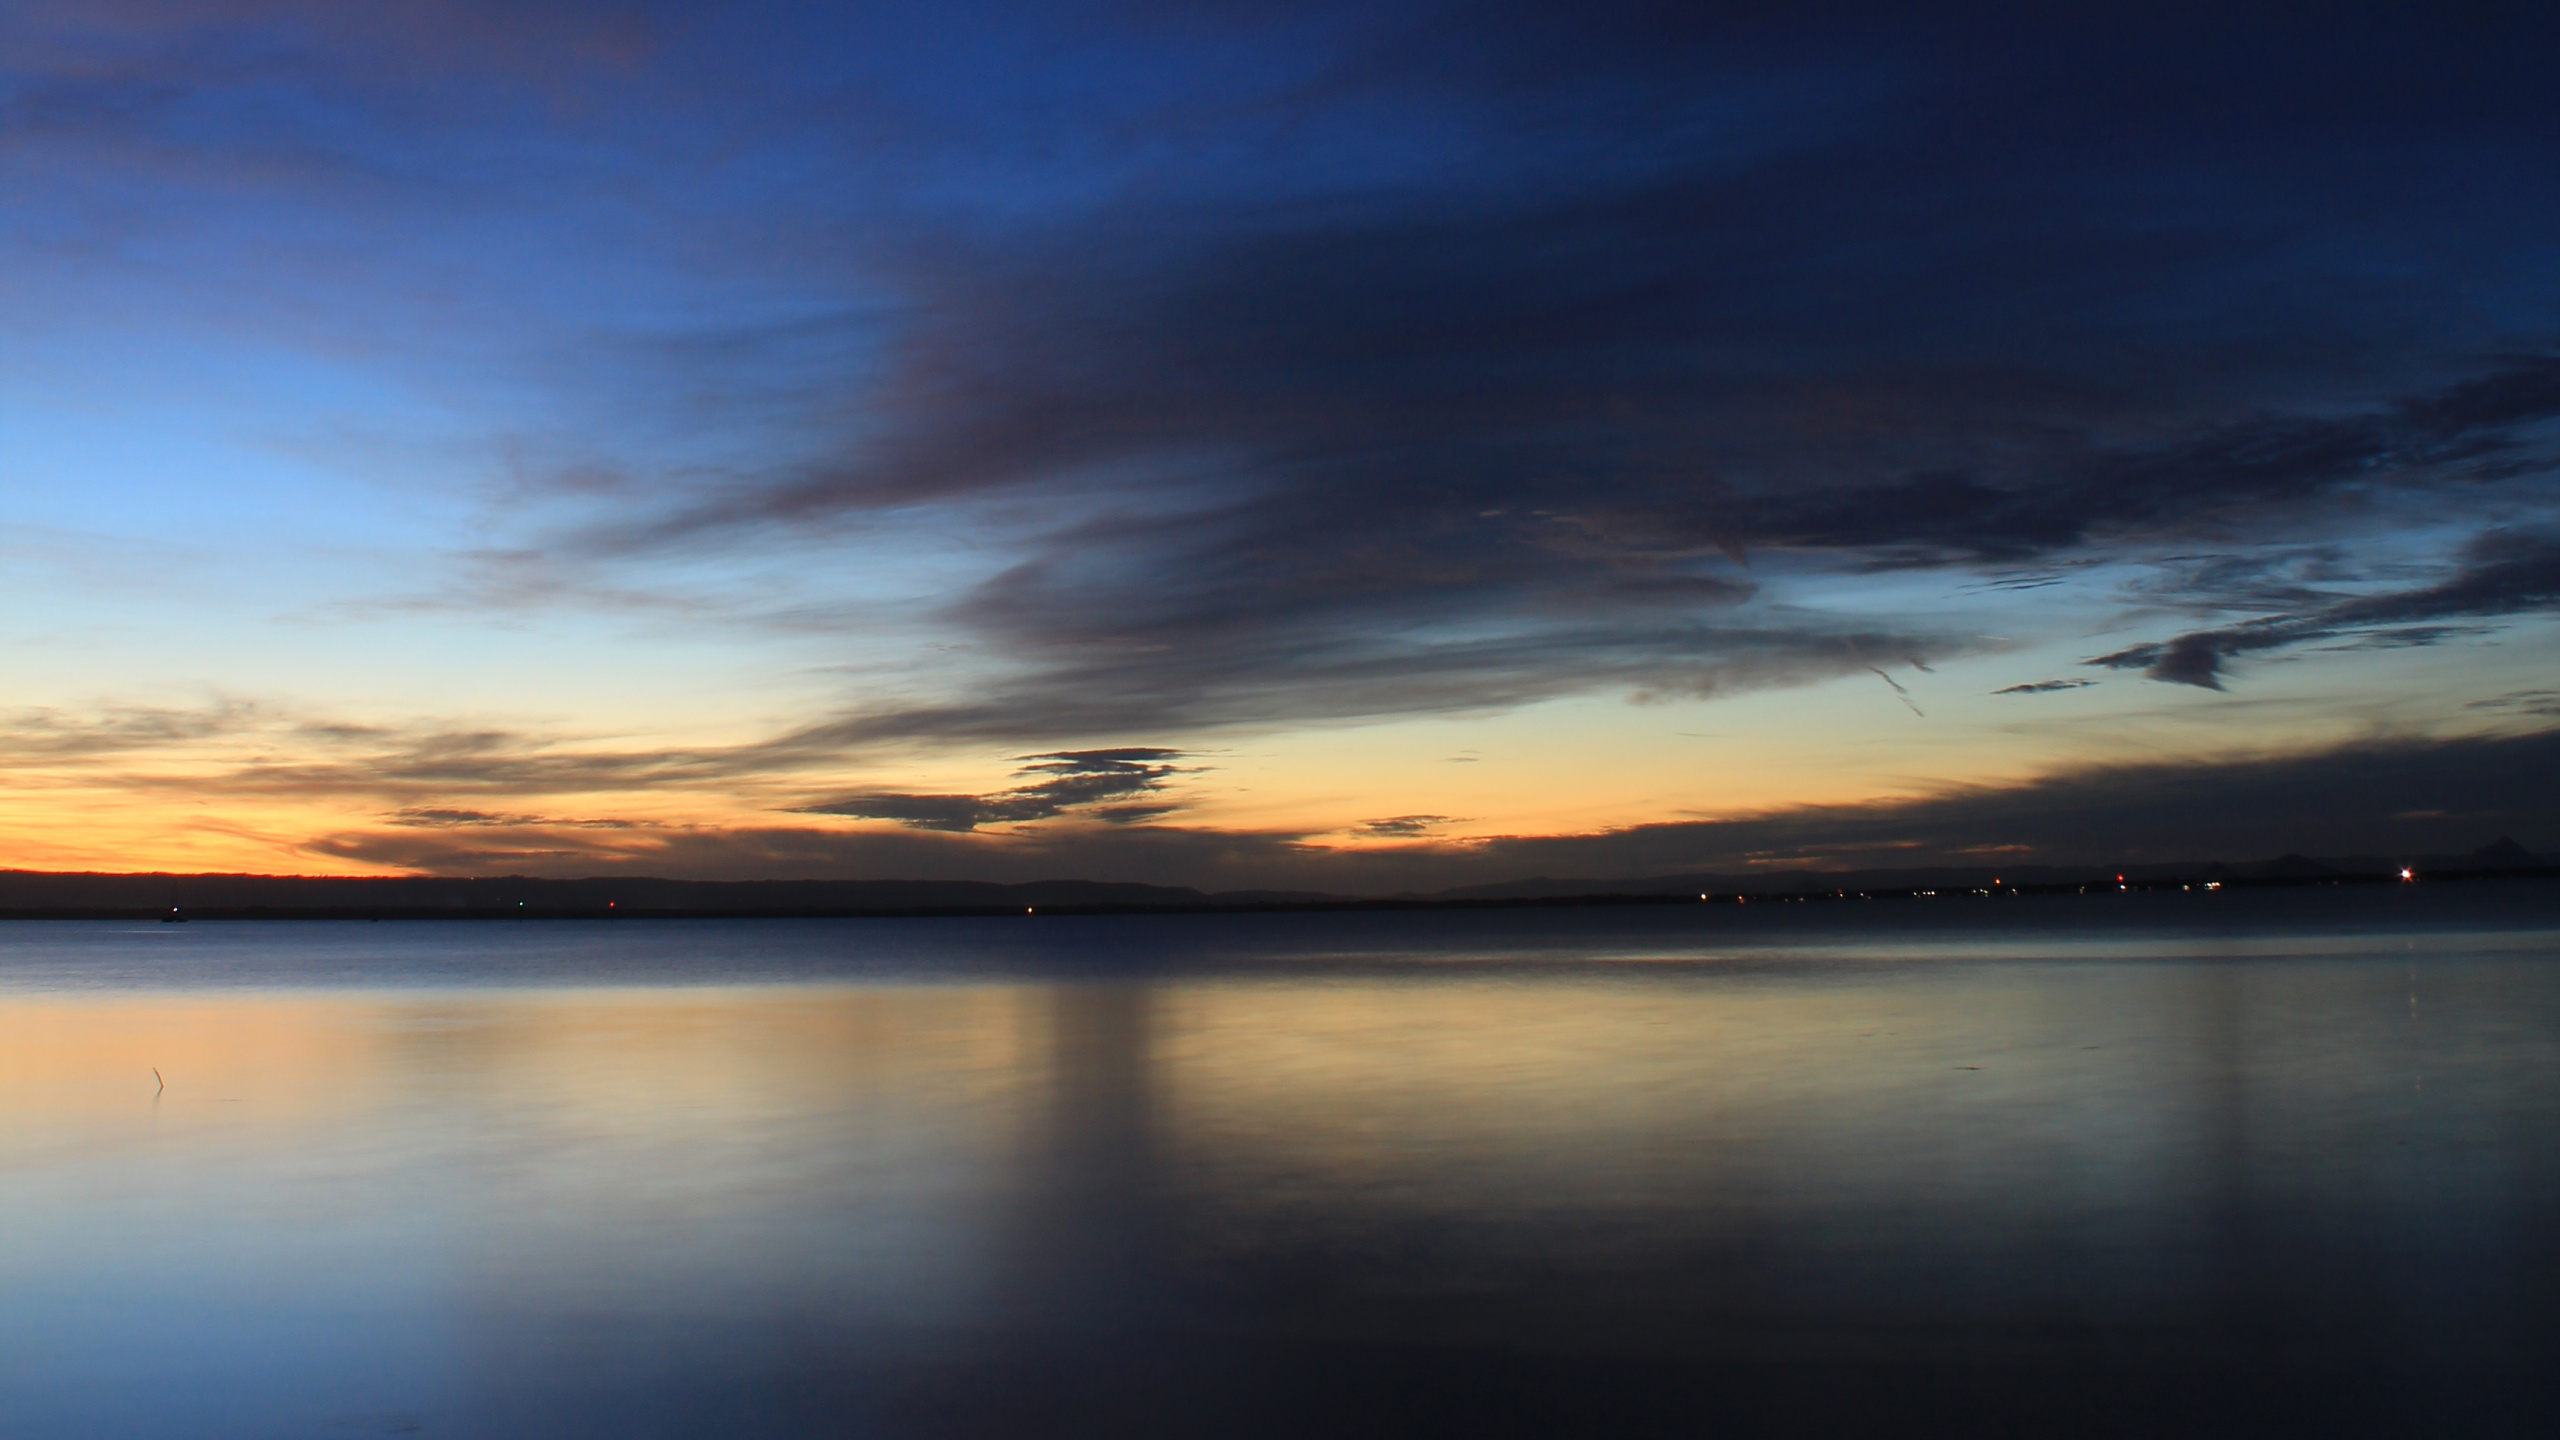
2407 875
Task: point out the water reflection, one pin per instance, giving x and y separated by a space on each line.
1775 1199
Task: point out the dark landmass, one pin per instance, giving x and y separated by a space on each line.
26 894
2501 857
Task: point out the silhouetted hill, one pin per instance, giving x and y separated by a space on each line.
2297 867
2504 853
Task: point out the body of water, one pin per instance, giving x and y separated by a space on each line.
2245 1163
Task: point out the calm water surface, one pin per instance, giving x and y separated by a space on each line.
2253 1163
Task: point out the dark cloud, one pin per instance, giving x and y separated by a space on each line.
1514 425
2381 797
1404 827
429 817
1472 344
437 818
2410 637
2044 687
2501 573
1072 781
1107 686
2522 702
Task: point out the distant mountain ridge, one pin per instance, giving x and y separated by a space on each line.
27 892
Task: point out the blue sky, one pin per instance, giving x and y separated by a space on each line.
802 440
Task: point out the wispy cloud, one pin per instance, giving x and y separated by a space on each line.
2501 573
426 767
2522 702
1899 691
431 818
52 737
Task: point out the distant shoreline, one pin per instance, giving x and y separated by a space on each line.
1807 888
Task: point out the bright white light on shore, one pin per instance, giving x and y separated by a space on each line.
2405 875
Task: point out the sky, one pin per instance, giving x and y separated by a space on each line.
1350 447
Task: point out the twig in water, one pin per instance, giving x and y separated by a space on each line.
155 1074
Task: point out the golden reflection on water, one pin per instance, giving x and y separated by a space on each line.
461 1196
680 1065
1535 1091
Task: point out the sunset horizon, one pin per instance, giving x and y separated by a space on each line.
1251 452
1013 720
